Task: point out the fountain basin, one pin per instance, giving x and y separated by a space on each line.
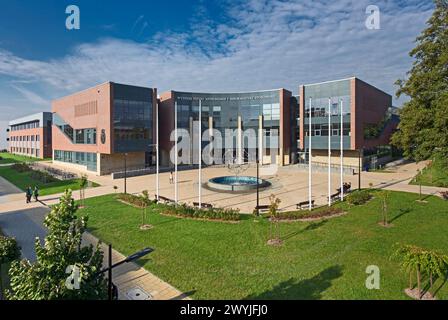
237 184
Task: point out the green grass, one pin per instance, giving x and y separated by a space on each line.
320 260
23 180
434 175
8 158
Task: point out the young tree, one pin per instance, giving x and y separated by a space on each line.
61 259
384 196
425 263
83 183
427 86
145 202
274 233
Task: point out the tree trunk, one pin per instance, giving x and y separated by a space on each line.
410 281
431 281
419 292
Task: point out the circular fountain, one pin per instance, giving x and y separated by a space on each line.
237 183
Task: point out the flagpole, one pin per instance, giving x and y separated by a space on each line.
310 169
157 155
342 150
329 152
176 196
200 153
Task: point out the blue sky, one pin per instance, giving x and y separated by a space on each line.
196 45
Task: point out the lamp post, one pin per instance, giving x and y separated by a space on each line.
125 172
110 267
329 152
359 168
342 149
200 155
157 169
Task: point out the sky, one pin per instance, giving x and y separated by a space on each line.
199 45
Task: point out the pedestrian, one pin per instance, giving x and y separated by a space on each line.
29 194
36 193
171 177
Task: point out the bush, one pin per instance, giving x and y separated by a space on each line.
196 213
444 195
138 201
21 167
297 215
9 250
42 176
358 197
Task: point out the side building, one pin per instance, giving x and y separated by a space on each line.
31 136
245 114
368 121
104 128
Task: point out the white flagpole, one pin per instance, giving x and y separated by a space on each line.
342 150
329 152
176 154
310 170
157 154
200 153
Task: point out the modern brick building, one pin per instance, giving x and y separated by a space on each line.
368 122
96 129
252 112
31 136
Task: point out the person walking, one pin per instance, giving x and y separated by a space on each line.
171 177
36 193
29 194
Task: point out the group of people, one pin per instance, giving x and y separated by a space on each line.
30 193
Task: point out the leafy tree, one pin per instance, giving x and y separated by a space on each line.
9 252
47 278
427 86
425 263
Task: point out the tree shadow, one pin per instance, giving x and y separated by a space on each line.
402 213
184 295
310 227
308 289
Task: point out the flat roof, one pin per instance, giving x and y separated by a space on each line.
40 116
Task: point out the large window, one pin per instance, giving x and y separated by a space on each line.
80 158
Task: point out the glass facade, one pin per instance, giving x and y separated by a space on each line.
133 117
225 108
77 136
80 158
340 94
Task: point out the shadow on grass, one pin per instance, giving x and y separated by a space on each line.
402 213
310 227
308 289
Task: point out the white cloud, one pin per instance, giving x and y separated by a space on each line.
32 96
265 44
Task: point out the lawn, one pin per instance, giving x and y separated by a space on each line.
23 180
8 158
319 260
435 175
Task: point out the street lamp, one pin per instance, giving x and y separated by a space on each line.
359 168
129 259
157 168
125 172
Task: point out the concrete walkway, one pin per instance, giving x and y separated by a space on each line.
133 281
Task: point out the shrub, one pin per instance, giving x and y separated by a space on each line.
358 197
444 195
21 167
42 176
138 201
296 215
196 213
